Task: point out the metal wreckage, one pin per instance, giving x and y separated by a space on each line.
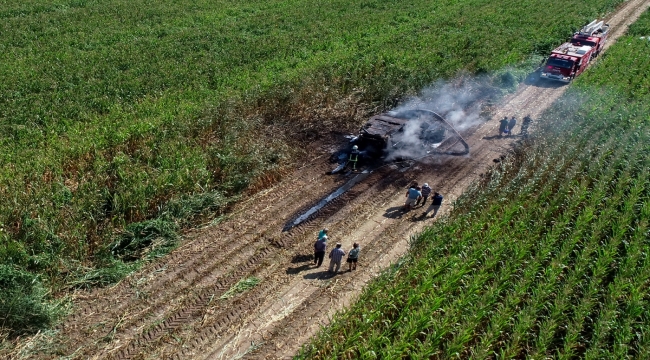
399 138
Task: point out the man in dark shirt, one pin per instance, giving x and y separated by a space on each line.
437 199
319 250
503 126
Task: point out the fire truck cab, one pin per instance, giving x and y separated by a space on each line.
567 62
571 59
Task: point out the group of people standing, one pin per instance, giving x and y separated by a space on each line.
336 255
415 194
507 126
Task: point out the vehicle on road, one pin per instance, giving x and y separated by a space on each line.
572 58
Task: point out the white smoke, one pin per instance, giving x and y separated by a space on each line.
458 101
407 144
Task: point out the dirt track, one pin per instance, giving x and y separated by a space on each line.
172 308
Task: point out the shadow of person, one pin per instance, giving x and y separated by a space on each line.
524 125
423 215
302 258
298 269
415 218
435 209
394 212
319 275
492 137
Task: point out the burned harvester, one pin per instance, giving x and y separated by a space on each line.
403 135
398 136
375 135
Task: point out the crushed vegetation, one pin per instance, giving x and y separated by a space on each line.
23 305
240 287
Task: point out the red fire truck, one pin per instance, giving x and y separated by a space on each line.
571 59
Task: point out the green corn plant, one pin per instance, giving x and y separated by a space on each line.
516 299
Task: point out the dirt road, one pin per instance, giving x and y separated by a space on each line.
176 308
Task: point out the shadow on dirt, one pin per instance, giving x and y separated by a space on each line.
298 269
534 80
320 275
493 137
525 125
300 258
501 137
523 132
395 212
427 214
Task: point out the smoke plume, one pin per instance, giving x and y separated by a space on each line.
458 101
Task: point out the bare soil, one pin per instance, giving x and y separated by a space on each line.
172 308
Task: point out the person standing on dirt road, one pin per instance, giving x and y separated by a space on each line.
336 255
503 126
437 199
412 196
426 191
320 246
353 256
511 125
322 233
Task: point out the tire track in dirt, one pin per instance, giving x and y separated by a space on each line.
303 242
190 314
168 307
185 314
317 300
111 314
344 222
388 236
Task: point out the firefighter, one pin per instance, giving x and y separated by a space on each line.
354 157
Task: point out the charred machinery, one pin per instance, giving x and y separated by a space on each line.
403 135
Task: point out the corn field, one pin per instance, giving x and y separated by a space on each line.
123 121
546 258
